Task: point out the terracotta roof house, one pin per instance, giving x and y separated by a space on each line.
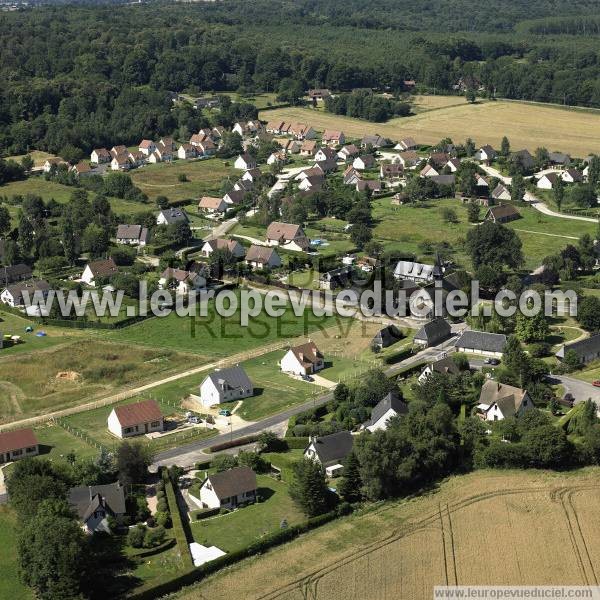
499 401
212 205
429 171
94 504
262 257
136 419
308 148
81 169
229 489
390 406
303 360
225 385
100 155
147 147
330 449
17 444
503 213
181 281
102 268
287 235
333 138
120 162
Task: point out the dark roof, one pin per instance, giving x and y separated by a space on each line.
14 272
139 412
232 482
443 179
334 447
583 348
174 215
388 335
129 232
17 440
445 366
482 340
103 267
16 290
503 211
391 401
498 190
86 499
232 377
437 329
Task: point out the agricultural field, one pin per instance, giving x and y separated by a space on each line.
204 177
39 157
540 527
10 586
238 529
526 125
72 373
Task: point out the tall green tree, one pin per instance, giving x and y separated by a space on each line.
309 488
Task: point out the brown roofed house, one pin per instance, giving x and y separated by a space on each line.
499 401
102 268
287 235
262 257
503 213
136 419
305 359
18 444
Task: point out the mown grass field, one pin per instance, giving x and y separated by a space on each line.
526 125
39 157
10 586
540 527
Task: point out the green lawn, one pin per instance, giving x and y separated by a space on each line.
10 586
238 529
284 461
590 374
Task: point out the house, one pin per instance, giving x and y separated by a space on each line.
147 147
387 408
498 401
385 337
94 504
136 419
429 171
336 278
243 185
587 350
302 131
252 175
276 158
351 176
333 138
407 159
245 162
183 282
137 159
81 169
434 332
262 257
168 144
211 205
330 450
241 128
14 273
325 166
503 213
132 235
524 158
444 366
186 151
481 342
406 144
117 150
206 147
559 158
274 127
347 152
229 489
17 444
482 187
415 271
288 236
308 148
547 181
501 192
438 159
325 155
99 269
197 139
51 163
452 165
222 244
100 156
164 153
485 154
224 385
366 161
304 359
14 295
318 94
572 176
374 186
120 162
170 216
374 141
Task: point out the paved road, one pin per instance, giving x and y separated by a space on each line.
581 390
221 229
543 208
191 453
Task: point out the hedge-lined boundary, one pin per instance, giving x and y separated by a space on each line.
269 541
248 439
178 527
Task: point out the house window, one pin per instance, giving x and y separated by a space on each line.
31 449
128 430
17 452
155 424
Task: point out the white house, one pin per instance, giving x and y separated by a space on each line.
485 154
305 359
366 161
14 295
330 450
99 156
186 151
147 147
429 171
222 244
499 401
136 419
390 406
406 144
212 205
16 444
288 236
169 216
444 366
102 268
245 162
229 489
181 281
261 257
94 504
481 342
333 138
225 385
547 181
572 176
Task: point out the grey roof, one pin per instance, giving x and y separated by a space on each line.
174 215
86 499
583 348
499 190
443 179
387 336
559 158
334 447
391 401
445 366
233 482
129 232
482 340
434 331
407 268
231 378
16 290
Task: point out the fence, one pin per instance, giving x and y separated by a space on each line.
75 431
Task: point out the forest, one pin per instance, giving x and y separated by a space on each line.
98 74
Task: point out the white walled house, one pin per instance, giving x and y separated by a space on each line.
102 268
147 147
499 401
181 281
135 419
99 156
222 244
305 359
547 181
288 236
229 489
390 406
225 385
261 257
17 444
330 450
245 162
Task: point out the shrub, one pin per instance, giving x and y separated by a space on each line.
163 519
154 537
202 466
160 495
136 536
204 513
162 506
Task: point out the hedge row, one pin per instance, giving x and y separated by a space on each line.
145 553
178 527
269 541
204 513
248 439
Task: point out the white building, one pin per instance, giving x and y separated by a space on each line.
135 419
229 489
225 385
305 359
499 401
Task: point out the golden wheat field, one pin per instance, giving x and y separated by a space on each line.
485 528
526 125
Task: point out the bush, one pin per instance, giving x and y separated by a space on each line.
540 350
164 519
204 513
202 466
136 536
154 537
249 439
160 495
162 506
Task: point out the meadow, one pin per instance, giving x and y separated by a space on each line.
10 586
540 527
527 125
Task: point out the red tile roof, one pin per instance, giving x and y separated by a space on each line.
140 412
17 440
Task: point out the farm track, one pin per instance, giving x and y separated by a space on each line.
441 518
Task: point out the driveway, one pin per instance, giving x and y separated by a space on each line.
543 208
581 390
221 229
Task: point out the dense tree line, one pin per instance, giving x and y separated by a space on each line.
366 105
